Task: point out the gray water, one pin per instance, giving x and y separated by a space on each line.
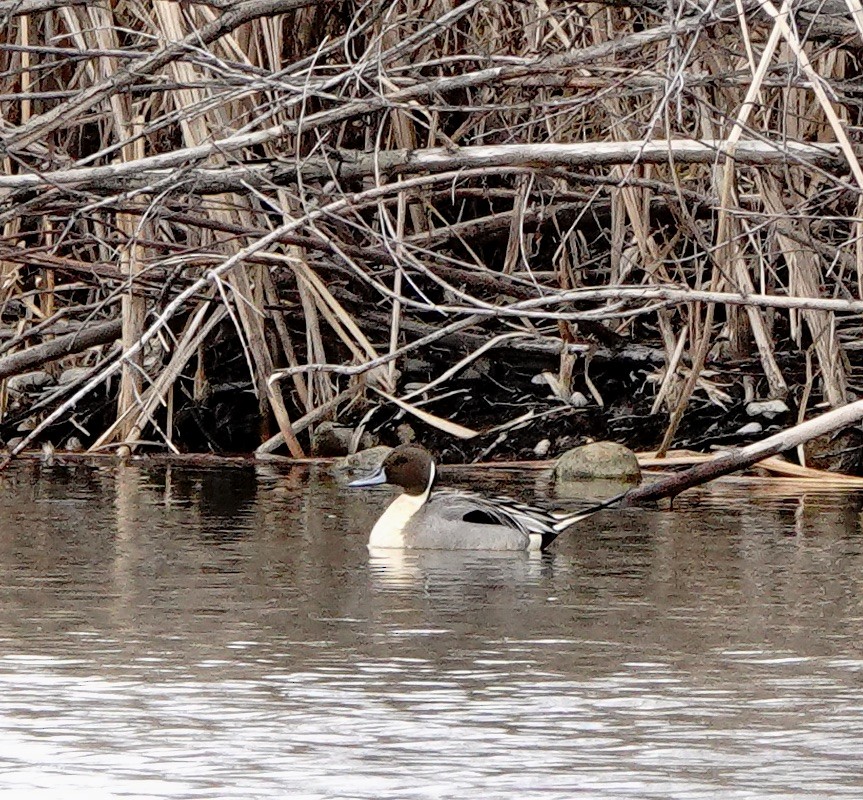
182 633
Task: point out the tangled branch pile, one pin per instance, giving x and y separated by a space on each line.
487 215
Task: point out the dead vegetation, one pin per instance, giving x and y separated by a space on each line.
260 215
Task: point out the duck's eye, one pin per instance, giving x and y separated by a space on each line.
481 517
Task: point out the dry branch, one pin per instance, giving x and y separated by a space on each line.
21 8
153 171
725 463
33 357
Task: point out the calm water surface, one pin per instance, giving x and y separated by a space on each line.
185 633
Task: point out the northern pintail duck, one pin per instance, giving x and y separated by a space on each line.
448 519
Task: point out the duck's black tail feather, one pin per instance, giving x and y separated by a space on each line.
570 519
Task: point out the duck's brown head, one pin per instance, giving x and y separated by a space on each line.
409 466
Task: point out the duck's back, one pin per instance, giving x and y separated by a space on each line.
449 521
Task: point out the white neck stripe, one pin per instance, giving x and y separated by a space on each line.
432 473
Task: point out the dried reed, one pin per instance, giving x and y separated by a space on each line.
333 186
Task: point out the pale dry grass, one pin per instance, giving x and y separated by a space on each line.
346 183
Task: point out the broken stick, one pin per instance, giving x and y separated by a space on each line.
733 460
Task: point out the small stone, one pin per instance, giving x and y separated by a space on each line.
766 408
607 460
73 445
542 448
578 400
14 442
476 369
47 453
29 382
27 425
553 383
750 428
73 375
368 441
405 433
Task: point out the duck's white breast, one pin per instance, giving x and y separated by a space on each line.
389 530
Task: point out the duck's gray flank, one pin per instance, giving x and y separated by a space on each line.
424 517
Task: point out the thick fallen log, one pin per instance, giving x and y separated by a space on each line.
76 342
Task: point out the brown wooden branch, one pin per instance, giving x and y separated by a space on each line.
154 171
33 357
20 8
52 325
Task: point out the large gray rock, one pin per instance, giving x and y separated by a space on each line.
360 464
604 460
29 382
331 440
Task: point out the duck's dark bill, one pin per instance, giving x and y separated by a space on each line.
373 480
